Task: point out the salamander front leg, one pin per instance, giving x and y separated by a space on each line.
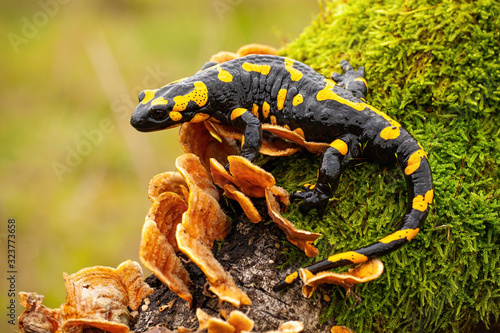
333 162
252 132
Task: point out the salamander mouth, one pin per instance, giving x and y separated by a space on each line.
144 123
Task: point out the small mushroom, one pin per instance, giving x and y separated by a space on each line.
238 322
290 327
37 318
212 324
362 273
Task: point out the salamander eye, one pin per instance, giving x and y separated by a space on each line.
158 114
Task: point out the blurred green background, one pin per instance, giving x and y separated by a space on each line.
74 174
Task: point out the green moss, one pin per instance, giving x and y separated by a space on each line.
433 66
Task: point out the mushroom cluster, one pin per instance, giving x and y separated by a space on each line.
186 217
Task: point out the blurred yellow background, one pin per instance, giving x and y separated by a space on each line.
74 173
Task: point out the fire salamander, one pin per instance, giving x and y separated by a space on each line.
248 91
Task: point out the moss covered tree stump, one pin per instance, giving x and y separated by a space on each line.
434 67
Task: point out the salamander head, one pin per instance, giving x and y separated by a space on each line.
170 106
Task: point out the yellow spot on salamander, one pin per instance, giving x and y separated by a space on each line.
352 256
149 95
327 93
281 98
199 95
265 109
295 74
255 110
237 113
273 120
362 79
390 132
224 75
262 69
298 99
292 277
400 234
287 127
159 101
340 145
175 116
414 161
421 202
199 117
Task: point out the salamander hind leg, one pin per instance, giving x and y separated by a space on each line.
352 80
334 161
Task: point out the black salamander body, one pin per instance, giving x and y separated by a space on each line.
248 91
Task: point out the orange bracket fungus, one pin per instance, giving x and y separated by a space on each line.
190 224
248 180
362 273
300 238
224 56
37 317
158 245
96 297
100 297
166 182
196 138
